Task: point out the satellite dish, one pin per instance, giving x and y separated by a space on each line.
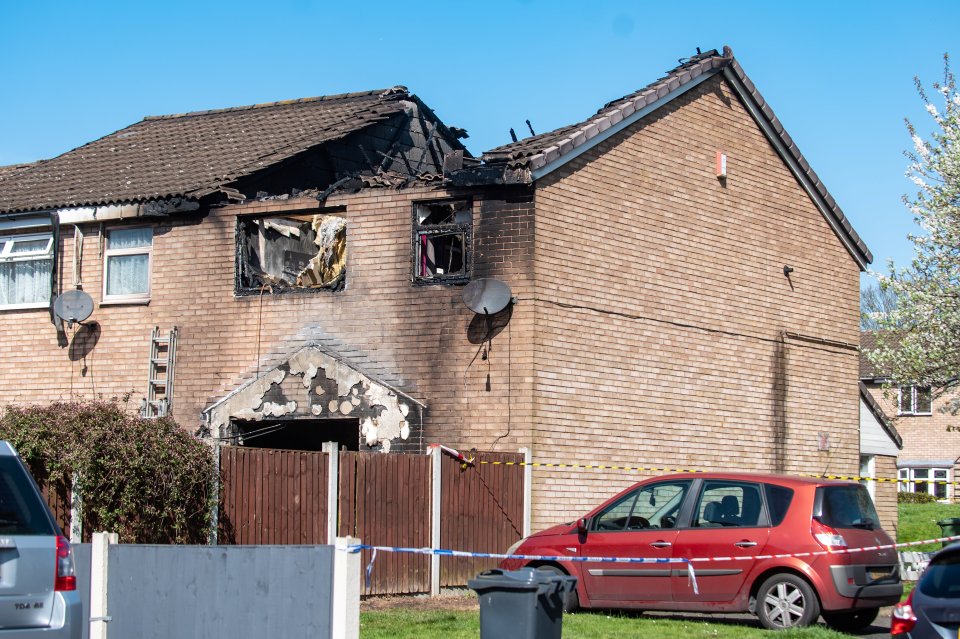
73 306
486 295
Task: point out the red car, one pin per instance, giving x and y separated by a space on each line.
742 519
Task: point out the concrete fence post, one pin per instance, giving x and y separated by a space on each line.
345 617
333 489
76 510
435 495
527 490
99 577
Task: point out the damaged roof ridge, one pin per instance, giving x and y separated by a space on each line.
397 92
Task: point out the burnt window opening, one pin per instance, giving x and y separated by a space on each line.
441 237
294 252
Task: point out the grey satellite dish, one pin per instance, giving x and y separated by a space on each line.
486 295
73 306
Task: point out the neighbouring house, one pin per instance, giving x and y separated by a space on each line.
880 443
684 290
930 457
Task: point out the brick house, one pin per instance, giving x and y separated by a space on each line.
930 458
685 290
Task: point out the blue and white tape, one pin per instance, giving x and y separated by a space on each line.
444 552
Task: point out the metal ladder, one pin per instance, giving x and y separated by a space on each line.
163 359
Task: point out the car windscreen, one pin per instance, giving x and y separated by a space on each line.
21 511
847 506
942 578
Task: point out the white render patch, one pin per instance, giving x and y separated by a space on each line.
382 413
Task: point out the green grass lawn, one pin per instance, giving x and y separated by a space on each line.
398 623
919 521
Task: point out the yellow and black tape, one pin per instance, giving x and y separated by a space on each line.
691 470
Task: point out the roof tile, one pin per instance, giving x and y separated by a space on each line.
208 149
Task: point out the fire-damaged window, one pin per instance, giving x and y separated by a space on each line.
291 252
441 237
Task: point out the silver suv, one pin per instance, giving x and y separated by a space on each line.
38 585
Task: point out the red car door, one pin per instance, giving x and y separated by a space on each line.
642 524
728 522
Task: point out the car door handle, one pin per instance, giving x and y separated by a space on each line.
661 544
745 544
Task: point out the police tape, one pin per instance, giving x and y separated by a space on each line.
444 552
693 470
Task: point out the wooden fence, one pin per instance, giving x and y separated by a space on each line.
280 497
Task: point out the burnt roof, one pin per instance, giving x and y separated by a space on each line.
539 152
191 154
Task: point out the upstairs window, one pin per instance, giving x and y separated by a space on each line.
442 237
126 258
26 268
293 252
916 400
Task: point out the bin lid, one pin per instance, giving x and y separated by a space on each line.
952 521
522 579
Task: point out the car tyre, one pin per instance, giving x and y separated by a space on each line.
571 600
851 621
786 601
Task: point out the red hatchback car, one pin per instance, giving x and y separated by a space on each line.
743 520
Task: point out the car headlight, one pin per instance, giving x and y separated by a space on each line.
512 549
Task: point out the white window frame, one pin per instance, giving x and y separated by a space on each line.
138 298
868 468
913 401
908 480
5 256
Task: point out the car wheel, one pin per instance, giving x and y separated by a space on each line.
852 621
571 600
786 601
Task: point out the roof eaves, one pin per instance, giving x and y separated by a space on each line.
808 178
598 129
881 417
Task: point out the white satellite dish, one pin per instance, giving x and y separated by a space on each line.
486 295
73 306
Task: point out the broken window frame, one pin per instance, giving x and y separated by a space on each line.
109 253
243 273
422 231
9 256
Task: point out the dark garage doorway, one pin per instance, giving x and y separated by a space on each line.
300 434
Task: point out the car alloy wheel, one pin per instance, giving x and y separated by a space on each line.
786 601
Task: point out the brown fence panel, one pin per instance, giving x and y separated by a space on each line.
272 496
481 511
58 494
385 501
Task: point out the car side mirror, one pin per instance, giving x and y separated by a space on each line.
582 526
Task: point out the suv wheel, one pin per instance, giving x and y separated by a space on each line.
571 600
786 601
852 621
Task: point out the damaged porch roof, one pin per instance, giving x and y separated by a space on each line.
190 155
541 154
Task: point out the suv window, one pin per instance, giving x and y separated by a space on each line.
846 507
778 502
651 506
21 511
942 578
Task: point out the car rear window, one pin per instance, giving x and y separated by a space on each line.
21 511
846 506
778 502
942 578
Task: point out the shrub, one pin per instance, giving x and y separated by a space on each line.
915 498
145 479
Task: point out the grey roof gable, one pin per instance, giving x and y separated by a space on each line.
544 153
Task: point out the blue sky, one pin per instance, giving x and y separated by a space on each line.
838 74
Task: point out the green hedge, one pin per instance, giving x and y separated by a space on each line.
915 498
146 479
